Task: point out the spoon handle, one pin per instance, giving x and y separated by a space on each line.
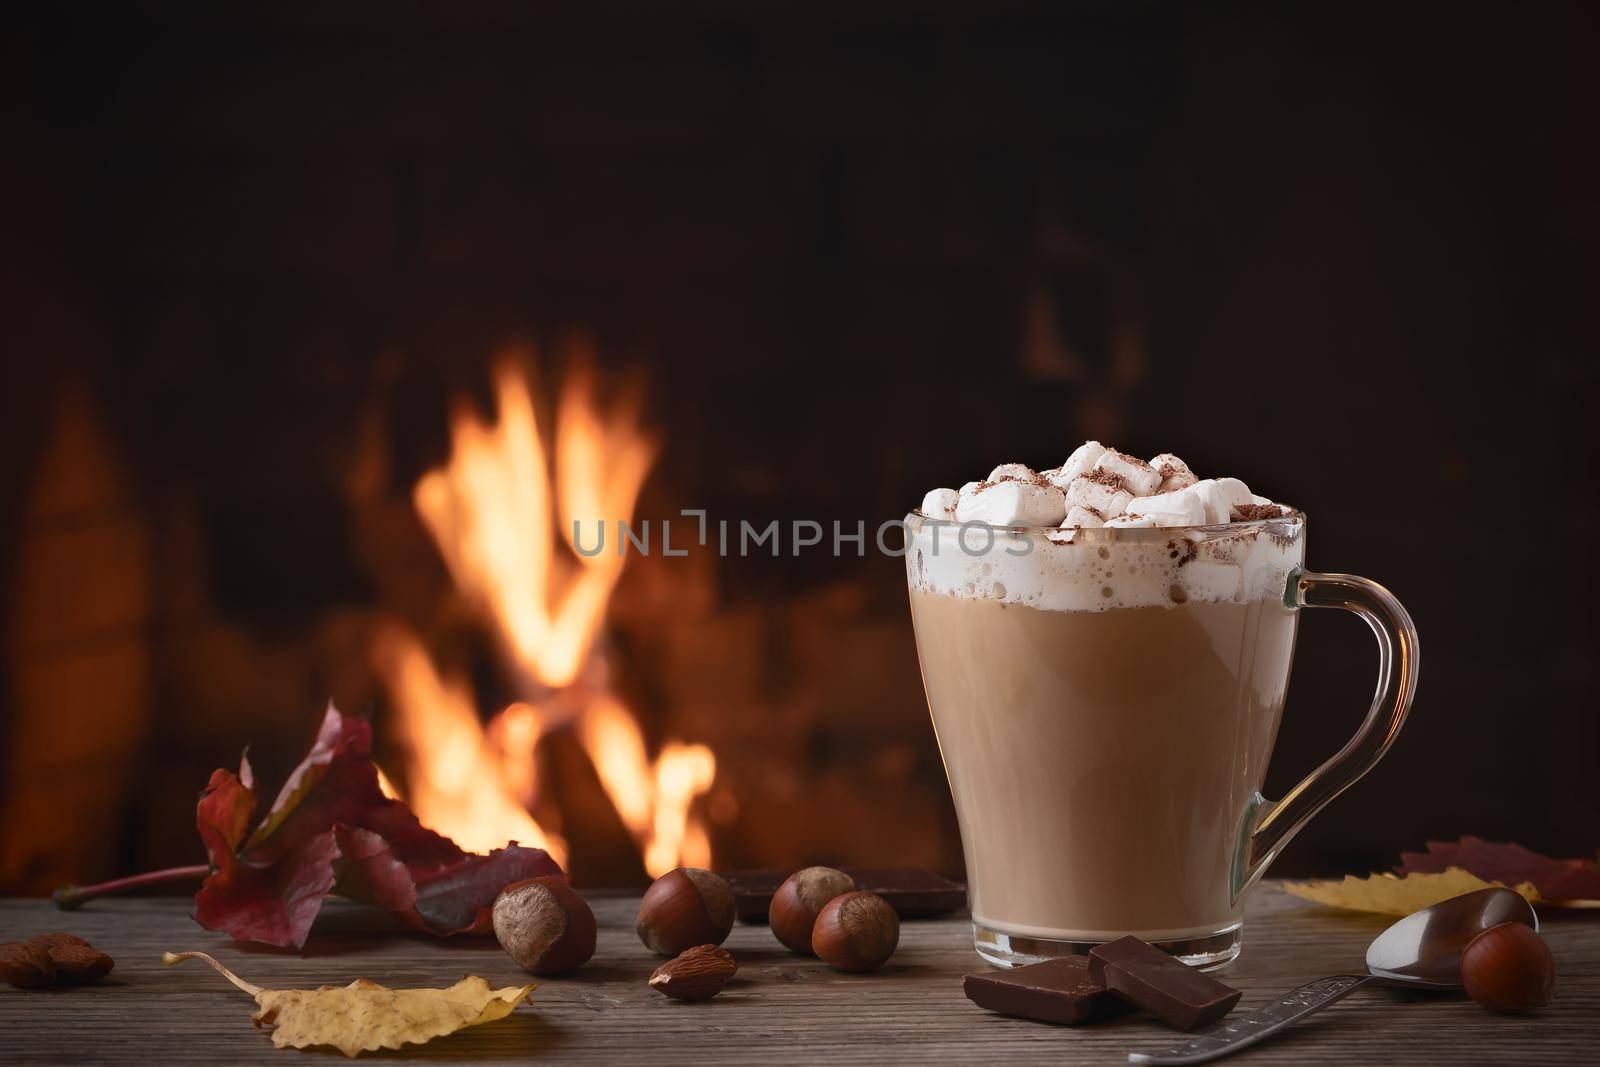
1231 1037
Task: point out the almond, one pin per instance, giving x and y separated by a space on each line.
695 974
52 959
26 965
49 941
79 964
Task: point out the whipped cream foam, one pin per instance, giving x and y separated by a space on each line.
1189 538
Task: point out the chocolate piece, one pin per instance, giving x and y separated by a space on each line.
1179 994
913 892
753 891
1055 991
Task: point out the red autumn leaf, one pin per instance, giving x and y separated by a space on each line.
461 897
372 872
274 904
331 828
337 783
1509 863
457 898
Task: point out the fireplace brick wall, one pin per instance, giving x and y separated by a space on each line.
81 656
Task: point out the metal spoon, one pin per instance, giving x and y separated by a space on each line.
1423 949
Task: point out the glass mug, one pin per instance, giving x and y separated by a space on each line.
1106 701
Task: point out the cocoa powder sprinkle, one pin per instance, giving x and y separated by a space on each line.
1255 512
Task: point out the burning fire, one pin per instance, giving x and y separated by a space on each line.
460 782
653 801
500 526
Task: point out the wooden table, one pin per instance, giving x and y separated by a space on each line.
780 1008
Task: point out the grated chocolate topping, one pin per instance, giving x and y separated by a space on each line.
1109 479
1182 550
1253 512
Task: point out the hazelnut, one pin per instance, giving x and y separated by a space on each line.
856 932
696 974
1509 968
683 908
795 906
544 925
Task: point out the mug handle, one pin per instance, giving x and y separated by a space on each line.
1274 823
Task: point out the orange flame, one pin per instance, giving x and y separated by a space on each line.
653 800
457 783
494 516
490 511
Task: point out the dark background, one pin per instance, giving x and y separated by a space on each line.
1345 253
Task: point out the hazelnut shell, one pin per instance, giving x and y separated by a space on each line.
1509 968
799 900
856 932
544 925
684 908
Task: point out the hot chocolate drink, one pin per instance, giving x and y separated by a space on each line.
1104 761
1106 650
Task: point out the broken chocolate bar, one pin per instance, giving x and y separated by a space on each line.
1055 991
914 893
1175 992
753 891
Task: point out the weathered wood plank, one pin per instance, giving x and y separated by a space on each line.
780 1008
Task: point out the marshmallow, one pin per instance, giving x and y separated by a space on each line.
1020 471
1123 522
1220 495
1182 507
1087 518
1081 461
1217 551
1013 503
1098 485
940 504
1108 500
1175 473
1137 475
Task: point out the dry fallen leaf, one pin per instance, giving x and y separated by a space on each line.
365 1016
1388 895
1574 882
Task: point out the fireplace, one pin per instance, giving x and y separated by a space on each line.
521 689
324 328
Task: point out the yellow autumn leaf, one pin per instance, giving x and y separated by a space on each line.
1388 894
365 1016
